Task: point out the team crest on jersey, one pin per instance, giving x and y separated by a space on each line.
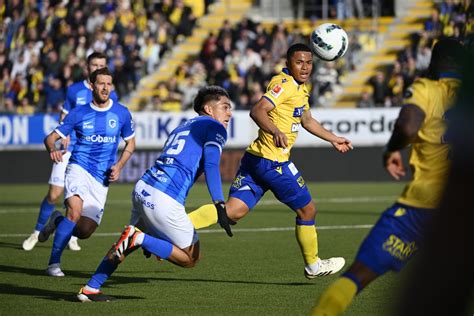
112 123
276 91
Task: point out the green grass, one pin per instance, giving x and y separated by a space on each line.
253 273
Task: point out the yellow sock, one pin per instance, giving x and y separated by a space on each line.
204 216
335 298
308 240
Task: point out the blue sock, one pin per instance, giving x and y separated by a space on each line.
45 211
61 238
102 274
158 247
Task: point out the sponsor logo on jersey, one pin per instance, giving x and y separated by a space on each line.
298 112
88 125
100 139
276 91
295 127
81 100
398 248
112 123
220 139
300 181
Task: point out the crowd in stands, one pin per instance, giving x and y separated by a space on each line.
449 19
242 59
44 44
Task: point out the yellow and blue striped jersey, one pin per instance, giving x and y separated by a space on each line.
429 154
290 100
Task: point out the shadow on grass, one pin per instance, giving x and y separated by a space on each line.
11 245
120 278
13 289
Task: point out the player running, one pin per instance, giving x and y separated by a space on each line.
266 165
159 196
92 165
399 232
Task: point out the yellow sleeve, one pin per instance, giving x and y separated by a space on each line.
277 92
417 94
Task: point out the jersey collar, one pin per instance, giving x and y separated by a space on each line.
287 72
87 84
450 74
96 108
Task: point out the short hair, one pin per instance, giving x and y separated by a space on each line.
448 55
98 72
206 94
298 47
96 55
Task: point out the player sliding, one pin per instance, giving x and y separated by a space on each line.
400 230
159 196
266 164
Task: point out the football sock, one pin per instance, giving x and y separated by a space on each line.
159 247
61 238
335 298
45 211
103 272
204 216
308 240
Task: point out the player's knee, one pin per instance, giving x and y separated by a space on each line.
236 212
308 212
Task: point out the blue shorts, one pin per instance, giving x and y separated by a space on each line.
394 238
257 175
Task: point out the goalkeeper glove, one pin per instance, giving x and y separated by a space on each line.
222 218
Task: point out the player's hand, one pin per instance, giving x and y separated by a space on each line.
114 173
56 155
65 143
280 139
222 218
342 144
393 163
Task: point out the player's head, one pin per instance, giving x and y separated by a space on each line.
213 101
299 61
447 56
95 61
101 81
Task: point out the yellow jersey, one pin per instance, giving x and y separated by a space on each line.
429 159
290 100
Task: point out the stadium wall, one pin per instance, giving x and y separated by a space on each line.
316 164
23 159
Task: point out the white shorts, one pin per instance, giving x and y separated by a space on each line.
58 171
93 193
163 216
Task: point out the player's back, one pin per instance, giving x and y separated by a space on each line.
429 157
180 163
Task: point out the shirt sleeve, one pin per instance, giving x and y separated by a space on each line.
417 94
277 92
65 128
216 135
212 156
127 130
69 102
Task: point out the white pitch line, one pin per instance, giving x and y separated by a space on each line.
236 230
197 203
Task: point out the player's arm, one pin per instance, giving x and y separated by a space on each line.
211 157
127 152
406 128
64 141
259 113
49 141
314 127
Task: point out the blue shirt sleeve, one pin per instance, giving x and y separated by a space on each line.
70 99
216 135
127 130
66 127
212 155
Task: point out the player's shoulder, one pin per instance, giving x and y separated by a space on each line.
283 80
419 86
77 86
119 107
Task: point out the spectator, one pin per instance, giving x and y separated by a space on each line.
380 90
55 94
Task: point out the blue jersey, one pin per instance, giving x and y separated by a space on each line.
181 161
79 93
98 133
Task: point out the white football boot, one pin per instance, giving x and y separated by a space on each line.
325 267
54 270
73 244
31 241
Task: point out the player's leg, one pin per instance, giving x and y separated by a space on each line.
389 245
55 191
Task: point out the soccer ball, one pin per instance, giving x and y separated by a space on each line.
329 41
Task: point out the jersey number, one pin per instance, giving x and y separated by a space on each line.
175 143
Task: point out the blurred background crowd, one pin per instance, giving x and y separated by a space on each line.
44 45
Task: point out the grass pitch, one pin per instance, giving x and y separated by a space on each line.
257 272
